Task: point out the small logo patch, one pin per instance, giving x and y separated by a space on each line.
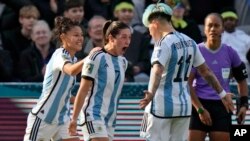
89 68
99 128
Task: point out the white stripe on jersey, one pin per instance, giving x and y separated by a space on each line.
108 73
177 53
53 105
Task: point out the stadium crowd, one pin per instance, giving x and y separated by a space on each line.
26 47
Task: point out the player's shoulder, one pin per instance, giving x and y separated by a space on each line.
96 55
61 52
228 48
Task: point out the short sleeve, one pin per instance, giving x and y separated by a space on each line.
234 57
60 59
91 65
161 53
198 58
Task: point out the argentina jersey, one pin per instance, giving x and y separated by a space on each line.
53 105
107 73
177 53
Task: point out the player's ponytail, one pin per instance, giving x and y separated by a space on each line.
112 28
106 32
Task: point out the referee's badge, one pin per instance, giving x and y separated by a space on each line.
89 68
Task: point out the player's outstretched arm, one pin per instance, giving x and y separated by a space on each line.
73 69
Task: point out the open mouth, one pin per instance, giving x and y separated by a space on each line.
124 49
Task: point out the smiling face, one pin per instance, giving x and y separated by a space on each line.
41 34
213 28
121 41
73 39
95 28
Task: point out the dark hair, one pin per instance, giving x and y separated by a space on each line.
159 16
112 28
63 25
72 4
214 14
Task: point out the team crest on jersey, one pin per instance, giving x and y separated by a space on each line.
89 68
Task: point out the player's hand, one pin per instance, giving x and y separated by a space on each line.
72 128
206 118
228 102
241 115
95 49
148 97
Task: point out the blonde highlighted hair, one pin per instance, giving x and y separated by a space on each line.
29 10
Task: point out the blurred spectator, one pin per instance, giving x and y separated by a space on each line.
49 9
184 25
137 54
33 60
10 10
73 9
234 37
98 7
95 36
18 39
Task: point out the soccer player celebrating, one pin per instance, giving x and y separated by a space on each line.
50 119
102 79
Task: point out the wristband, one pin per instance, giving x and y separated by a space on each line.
244 101
200 110
222 94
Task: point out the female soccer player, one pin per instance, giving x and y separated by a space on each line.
50 118
101 84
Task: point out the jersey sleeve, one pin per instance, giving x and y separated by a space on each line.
91 66
161 53
60 59
234 57
198 58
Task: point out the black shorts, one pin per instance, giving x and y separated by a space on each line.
221 119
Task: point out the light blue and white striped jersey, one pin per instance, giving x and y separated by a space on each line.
177 53
107 73
53 105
